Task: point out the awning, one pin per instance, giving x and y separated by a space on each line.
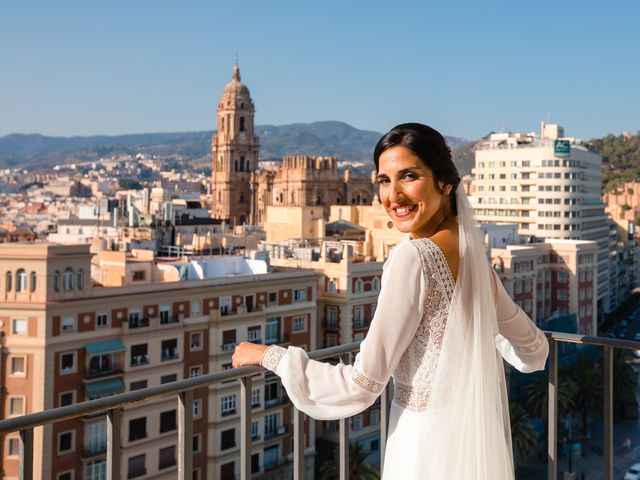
110 346
104 388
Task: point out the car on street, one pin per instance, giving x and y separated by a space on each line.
633 473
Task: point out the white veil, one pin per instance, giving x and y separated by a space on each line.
468 414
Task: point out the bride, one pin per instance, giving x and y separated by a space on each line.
442 326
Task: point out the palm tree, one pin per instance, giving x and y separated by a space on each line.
523 436
358 469
624 381
587 376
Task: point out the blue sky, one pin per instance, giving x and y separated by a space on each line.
466 68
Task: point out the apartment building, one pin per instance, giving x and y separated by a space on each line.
556 277
67 340
550 185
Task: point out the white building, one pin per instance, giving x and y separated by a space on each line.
550 185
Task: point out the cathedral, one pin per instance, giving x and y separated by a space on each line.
241 190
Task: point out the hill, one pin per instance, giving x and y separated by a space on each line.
318 138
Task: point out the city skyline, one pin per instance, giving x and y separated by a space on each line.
465 69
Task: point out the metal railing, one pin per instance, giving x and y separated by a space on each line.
112 407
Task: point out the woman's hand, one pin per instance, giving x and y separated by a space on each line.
247 353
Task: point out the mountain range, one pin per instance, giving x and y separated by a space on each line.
318 138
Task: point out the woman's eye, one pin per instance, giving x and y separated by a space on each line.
409 176
382 180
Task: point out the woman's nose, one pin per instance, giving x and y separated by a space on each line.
395 192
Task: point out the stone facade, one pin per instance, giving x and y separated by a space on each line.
242 191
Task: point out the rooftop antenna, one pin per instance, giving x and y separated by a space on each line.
236 59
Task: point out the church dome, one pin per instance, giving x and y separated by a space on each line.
235 90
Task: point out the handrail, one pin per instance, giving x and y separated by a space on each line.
81 409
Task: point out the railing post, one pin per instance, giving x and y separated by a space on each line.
114 425
343 433
384 422
608 413
185 435
245 428
552 427
298 444
26 454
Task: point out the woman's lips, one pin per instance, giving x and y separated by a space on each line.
404 210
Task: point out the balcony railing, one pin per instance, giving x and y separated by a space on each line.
112 407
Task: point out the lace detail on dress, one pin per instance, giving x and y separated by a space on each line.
272 357
534 347
366 383
418 364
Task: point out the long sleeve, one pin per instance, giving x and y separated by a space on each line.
520 342
327 392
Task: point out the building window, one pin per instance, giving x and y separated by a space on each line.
137 429
227 439
273 298
195 446
197 409
18 366
270 456
356 423
101 364
272 331
13 447
16 406
255 434
139 275
358 317
68 279
136 466
254 334
34 281
359 288
168 378
135 321
169 350
195 341
228 405
65 476
166 457
68 324
67 398
299 324
195 372
56 281
137 385
332 287
255 398
270 425
9 280
271 393
80 279
299 295
96 470
102 320
376 284
67 363
562 277
167 421
195 308
139 355
95 436
21 280
332 317
19 326
65 442
374 417
242 124
332 339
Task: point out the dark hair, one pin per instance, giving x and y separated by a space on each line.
430 146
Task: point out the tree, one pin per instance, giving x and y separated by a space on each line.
358 468
523 436
624 381
587 376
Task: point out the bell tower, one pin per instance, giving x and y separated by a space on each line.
234 155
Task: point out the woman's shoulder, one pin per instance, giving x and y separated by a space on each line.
447 241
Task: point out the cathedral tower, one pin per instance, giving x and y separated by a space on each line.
234 156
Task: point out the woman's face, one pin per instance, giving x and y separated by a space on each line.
408 192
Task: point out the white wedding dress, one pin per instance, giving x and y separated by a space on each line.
406 340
